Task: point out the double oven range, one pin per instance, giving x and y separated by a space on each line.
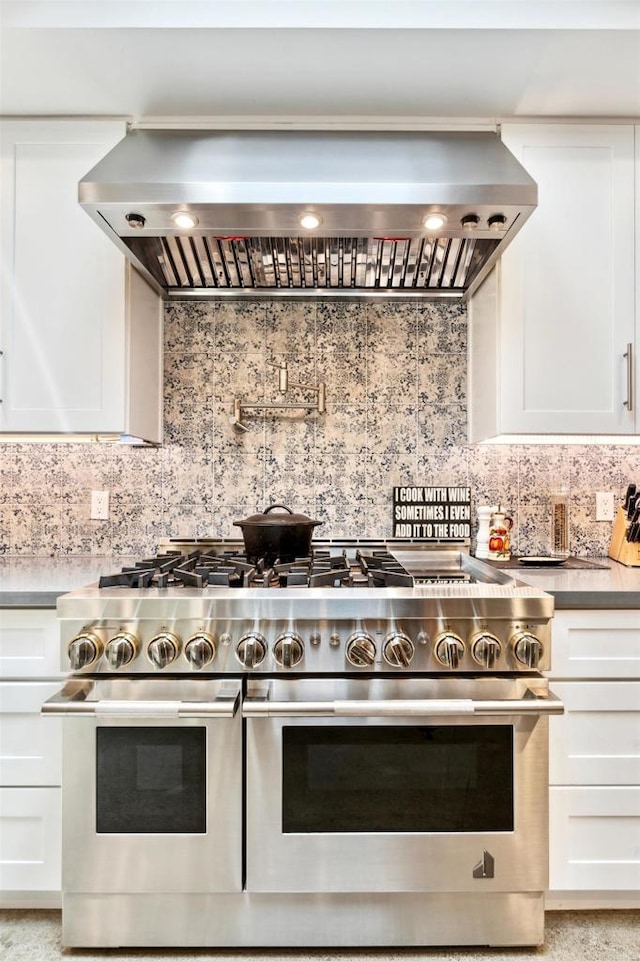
345 750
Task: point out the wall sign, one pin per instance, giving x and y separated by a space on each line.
432 513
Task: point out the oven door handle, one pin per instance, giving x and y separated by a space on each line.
224 707
428 707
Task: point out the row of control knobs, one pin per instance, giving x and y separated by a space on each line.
398 649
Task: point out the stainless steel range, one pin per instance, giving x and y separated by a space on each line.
347 749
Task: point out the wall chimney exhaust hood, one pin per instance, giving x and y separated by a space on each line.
259 213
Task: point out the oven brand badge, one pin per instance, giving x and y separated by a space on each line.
432 513
486 867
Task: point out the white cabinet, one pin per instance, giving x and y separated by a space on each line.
30 744
80 333
30 760
597 740
29 643
550 328
594 839
30 851
594 760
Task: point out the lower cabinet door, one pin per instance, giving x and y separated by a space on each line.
597 740
30 744
29 643
594 838
30 824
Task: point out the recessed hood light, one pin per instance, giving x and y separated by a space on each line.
310 221
434 221
184 220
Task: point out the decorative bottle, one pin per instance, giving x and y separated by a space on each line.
484 522
560 523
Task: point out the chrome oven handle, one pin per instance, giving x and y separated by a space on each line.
223 707
428 707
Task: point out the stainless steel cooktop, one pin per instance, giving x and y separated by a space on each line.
352 607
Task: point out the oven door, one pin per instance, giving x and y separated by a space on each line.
152 785
398 784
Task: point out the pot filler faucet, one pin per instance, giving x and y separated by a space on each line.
283 386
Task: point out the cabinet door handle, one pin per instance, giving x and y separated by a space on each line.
628 403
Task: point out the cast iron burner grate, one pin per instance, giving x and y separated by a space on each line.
214 568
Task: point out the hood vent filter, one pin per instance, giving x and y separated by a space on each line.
316 263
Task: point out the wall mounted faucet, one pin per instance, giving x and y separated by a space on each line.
284 385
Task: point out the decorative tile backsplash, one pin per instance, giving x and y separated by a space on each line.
396 414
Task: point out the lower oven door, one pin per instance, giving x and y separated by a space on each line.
398 784
152 785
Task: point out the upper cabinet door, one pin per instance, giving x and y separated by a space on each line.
566 294
62 328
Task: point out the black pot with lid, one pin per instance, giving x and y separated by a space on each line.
277 536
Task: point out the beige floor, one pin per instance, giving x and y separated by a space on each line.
570 936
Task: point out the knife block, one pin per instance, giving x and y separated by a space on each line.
620 549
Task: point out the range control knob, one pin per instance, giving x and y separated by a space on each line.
486 649
449 649
527 649
251 649
121 650
83 650
163 649
398 650
288 649
361 649
200 650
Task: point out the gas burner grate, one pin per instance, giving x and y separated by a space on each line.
201 569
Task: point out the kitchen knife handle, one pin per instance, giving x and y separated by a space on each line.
631 490
628 403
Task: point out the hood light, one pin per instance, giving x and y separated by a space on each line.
434 221
184 220
470 221
310 221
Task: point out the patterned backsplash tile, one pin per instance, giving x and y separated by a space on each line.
396 414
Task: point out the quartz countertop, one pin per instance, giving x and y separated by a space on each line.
615 586
39 581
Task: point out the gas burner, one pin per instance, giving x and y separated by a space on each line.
222 568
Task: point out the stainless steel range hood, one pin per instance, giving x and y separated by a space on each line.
371 192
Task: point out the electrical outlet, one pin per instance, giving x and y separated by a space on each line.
99 505
605 508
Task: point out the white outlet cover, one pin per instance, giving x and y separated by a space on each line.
99 505
605 506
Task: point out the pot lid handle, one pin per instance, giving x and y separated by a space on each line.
273 507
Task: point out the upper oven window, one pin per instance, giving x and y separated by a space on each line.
447 779
151 780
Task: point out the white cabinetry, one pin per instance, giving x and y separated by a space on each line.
594 760
30 760
550 328
80 333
